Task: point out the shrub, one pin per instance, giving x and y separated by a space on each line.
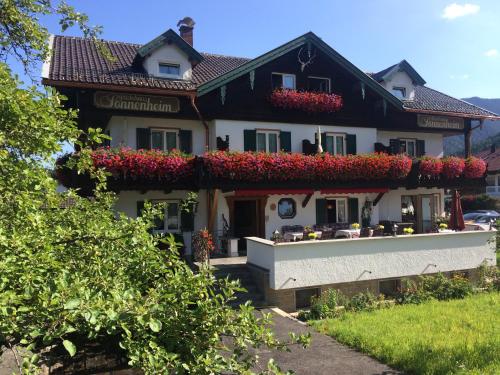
326 305
362 302
443 288
489 277
411 293
478 202
203 245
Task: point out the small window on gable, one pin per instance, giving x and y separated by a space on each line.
170 70
318 84
399 92
283 81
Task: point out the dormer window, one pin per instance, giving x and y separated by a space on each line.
318 84
399 92
169 70
283 81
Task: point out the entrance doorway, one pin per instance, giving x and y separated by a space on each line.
420 210
246 219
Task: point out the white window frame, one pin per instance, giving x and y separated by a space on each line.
162 62
164 132
324 78
400 89
267 132
335 135
165 215
282 80
409 140
346 213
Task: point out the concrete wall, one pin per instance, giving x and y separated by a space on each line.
314 263
433 141
168 54
123 130
127 204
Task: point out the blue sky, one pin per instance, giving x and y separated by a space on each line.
454 45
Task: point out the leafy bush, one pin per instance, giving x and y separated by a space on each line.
443 288
411 293
489 277
326 305
478 202
362 301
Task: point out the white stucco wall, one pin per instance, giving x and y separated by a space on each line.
169 53
400 79
123 130
433 141
314 263
127 204
365 137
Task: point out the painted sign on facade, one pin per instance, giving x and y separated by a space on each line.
132 102
440 122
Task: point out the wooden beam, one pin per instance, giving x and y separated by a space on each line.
306 200
379 197
213 201
468 140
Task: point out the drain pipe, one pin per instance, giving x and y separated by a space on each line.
210 224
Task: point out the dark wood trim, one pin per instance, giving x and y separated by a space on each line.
306 200
111 87
451 114
261 202
378 198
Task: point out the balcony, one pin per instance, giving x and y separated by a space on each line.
154 170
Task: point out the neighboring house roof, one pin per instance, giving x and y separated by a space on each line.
492 157
401 66
77 61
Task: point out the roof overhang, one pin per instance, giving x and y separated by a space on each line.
452 114
111 87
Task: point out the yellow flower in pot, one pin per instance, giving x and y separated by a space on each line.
355 226
312 236
408 231
443 226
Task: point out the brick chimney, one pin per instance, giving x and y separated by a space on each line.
186 26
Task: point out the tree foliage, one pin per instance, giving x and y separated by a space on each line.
74 271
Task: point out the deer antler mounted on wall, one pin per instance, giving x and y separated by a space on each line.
310 57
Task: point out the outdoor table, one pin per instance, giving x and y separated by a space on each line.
349 233
293 236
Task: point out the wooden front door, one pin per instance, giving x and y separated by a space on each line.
246 219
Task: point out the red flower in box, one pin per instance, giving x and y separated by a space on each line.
431 167
150 164
256 167
312 102
474 167
453 167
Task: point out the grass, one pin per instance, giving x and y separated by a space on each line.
453 337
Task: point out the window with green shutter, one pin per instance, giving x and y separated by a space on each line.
143 138
286 141
353 206
249 140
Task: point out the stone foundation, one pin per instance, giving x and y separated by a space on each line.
285 298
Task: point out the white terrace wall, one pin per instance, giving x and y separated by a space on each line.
315 263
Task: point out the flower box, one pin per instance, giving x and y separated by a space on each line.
311 102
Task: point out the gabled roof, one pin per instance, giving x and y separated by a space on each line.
492 157
401 66
309 37
169 36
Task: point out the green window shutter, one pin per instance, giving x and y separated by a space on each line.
353 208
420 148
394 146
350 141
140 207
187 221
286 141
249 140
321 217
186 141
323 142
143 138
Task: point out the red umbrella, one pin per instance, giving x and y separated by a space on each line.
456 215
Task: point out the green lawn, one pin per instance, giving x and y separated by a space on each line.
460 336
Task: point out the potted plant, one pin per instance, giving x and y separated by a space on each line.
408 231
312 236
443 227
355 226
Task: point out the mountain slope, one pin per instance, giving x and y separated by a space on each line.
481 138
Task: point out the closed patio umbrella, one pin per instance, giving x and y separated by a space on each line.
456 215
318 136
